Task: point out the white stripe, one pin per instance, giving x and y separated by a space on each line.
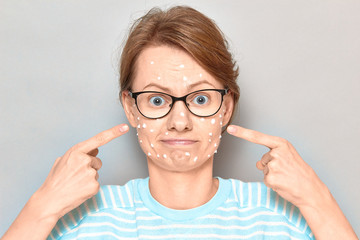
284 210
276 202
234 209
234 189
291 212
112 196
137 201
230 200
97 225
217 236
103 198
129 195
103 214
148 217
143 209
86 208
241 194
79 211
259 195
239 218
52 236
65 224
217 226
72 218
58 230
250 195
298 220
120 196
87 235
268 197
124 211
95 203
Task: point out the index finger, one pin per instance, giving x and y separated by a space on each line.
255 136
101 138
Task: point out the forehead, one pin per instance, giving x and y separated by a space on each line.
170 69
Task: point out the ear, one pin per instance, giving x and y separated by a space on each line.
228 104
129 107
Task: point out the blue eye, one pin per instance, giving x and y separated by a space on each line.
157 101
201 99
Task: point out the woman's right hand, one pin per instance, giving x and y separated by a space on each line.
73 178
71 181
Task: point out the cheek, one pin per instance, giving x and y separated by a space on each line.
146 133
211 132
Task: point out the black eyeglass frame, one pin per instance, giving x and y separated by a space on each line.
183 99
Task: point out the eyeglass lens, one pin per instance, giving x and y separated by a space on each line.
156 105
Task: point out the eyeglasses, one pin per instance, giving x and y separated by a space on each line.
201 103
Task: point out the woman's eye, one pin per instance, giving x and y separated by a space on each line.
157 101
201 99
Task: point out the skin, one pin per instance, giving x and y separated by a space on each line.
174 167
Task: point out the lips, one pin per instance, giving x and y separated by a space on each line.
177 141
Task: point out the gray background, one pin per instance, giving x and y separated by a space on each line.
300 79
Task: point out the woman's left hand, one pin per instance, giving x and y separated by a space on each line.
284 170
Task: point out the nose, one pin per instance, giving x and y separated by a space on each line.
179 118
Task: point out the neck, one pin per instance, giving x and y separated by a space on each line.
182 190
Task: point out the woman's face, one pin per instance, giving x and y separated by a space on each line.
180 141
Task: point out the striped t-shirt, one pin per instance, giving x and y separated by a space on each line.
238 210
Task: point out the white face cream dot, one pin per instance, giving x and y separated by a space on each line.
215 151
210 134
209 155
166 133
137 134
140 141
220 136
164 155
152 62
158 78
182 114
158 155
220 116
202 119
200 74
138 126
138 118
152 145
187 154
220 123
144 125
185 78
195 159
151 130
149 154
182 66
213 121
215 145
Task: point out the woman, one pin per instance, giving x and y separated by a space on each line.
178 89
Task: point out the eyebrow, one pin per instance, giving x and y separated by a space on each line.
168 90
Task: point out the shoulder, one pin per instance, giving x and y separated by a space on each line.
109 197
258 195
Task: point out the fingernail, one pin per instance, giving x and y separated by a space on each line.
231 129
124 128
